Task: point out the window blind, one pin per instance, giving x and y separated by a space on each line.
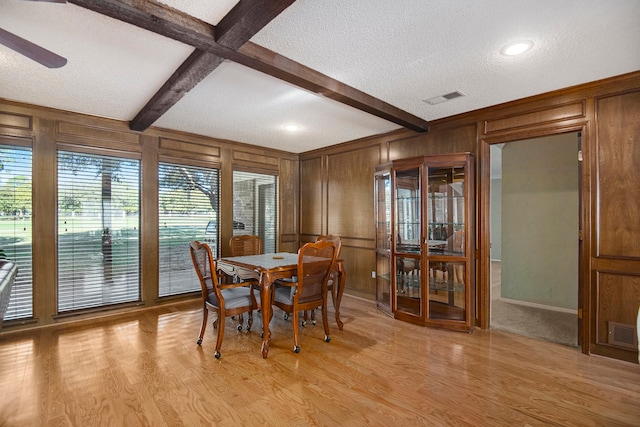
15 225
188 210
255 207
98 231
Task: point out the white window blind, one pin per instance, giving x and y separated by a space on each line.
255 207
98 231
15 225
188 210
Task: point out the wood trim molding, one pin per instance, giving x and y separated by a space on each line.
573 110
16 121
240 156
96 132
172 146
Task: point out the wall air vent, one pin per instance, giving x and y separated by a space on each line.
443 98
622 335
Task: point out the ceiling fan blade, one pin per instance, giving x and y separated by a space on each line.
31 50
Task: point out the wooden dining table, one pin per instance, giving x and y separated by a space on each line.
267 268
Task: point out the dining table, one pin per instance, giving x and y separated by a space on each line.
266 269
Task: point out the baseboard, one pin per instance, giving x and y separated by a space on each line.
540 306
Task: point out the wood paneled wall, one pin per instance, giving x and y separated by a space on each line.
615 254
46 130
331 190
607 113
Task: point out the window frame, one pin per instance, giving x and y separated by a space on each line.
215 244
97 152
266 247
26 145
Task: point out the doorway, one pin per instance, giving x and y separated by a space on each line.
534 222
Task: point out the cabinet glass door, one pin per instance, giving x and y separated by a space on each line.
446 228
383 240
447 287
407 241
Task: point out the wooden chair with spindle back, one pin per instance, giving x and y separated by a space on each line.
225 299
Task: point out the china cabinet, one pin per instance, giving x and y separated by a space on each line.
425 240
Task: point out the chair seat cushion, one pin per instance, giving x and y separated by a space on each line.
284 294
235 297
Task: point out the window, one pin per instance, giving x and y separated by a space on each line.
98 231
255 207
188 209
15 225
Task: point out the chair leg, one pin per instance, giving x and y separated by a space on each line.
250 320
205 315
296 346
308 314
325 321
220 336
240 321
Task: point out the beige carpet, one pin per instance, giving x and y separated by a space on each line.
532 322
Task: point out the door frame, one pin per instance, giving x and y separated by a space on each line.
483 295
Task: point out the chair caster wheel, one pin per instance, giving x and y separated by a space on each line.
327 338
217 355
313 322
199 341
296 349
285 316
303 323
239 327
248 328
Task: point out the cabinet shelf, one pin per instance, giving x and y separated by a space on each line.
436 285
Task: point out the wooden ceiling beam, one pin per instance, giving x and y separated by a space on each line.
283 68
229 40
245 19
195 68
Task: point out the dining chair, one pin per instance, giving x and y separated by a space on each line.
315 263
245 244
337 240
225 299
333 289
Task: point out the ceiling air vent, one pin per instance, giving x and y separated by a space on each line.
444 98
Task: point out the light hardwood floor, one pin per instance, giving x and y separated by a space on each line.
146 369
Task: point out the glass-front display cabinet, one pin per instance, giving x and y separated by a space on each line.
382 186
425 242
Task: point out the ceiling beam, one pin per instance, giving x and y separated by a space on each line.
283 68
229 40
245 19
195 68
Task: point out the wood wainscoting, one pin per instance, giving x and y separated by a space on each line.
145 368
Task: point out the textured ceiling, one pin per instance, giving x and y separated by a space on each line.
400 51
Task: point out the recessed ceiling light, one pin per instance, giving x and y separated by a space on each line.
517 48
292 128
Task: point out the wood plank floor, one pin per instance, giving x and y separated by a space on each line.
145 369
